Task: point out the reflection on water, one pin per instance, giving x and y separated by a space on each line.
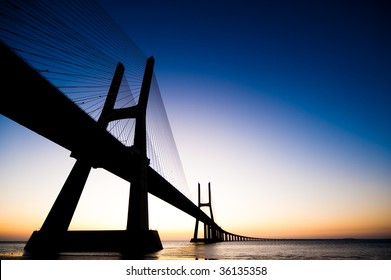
280 250
242 250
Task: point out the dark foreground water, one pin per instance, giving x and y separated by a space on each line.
341 249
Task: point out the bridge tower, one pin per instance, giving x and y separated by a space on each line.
54 236
210 233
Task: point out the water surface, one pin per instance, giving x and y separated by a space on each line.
334 249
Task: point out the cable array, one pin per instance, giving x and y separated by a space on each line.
76 46
161 145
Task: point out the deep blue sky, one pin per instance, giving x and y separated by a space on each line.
327 58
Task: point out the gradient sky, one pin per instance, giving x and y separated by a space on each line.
282 105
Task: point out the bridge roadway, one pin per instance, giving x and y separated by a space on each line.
35 103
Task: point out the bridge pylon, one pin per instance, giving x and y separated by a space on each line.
211 232
54 237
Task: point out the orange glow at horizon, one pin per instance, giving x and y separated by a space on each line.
13 233
20 225
379 227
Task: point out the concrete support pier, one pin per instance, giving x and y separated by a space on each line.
54 236
121 241
211 231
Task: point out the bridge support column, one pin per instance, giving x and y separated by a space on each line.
55 227
210 231
141 239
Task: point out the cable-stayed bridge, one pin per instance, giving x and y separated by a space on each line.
70 74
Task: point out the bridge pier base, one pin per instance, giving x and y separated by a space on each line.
142 242
123 241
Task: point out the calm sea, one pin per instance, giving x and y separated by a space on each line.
341 249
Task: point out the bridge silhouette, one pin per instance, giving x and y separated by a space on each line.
38 103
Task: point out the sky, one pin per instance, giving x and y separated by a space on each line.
282 105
